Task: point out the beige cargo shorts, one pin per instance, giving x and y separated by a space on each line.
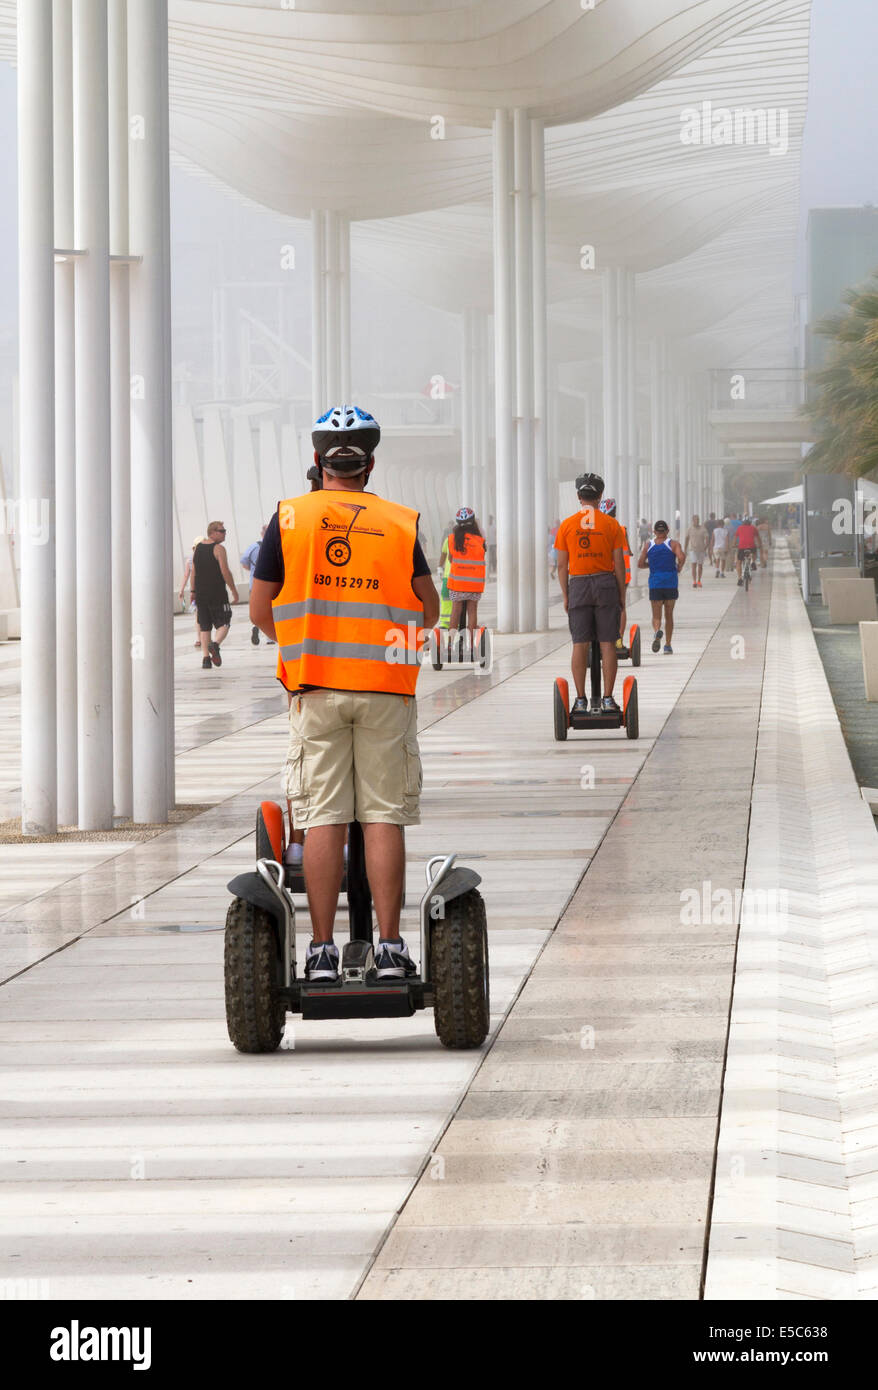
353 756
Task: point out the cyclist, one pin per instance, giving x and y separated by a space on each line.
664 559
343 585
747 541
590 546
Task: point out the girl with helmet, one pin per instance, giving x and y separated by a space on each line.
466 581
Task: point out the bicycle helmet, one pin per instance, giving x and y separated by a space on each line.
589 486
464 514
345 438
608 506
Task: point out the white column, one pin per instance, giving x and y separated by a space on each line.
319 401
151 515
344 296
332 308
619 487
541 379
504 385
120 409
65 416
632 516
467 409
610 381
37 415
94 587
524 379
482 416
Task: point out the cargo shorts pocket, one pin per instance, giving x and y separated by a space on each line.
293 779
414 777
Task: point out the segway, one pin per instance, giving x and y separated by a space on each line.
632 650
595 718
461 647
261 981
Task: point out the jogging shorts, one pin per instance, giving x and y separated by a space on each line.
663 595
212 615
353 755
593 608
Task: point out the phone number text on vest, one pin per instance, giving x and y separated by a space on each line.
343 581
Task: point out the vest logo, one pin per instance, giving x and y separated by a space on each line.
338 548
75 1343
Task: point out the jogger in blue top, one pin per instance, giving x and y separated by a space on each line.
664 559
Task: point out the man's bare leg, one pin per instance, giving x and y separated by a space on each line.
579 667
205 643
669 620
610 664
221 635
385 865
324 845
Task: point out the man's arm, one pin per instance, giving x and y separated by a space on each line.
425 590
680 553
642 562
261 594
220 553
619 569
563 573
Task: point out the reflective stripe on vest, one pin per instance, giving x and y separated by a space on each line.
346 616
467 568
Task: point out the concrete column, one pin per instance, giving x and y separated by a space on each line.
467 410
37 415
504 383
344 300
483 416
524 382
120 410
541 377
610 468
620 486
632 516
319 398
151 511
332 308
94 579
65 415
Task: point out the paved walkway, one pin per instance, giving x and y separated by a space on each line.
573 1158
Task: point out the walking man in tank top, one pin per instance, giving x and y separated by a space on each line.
212 608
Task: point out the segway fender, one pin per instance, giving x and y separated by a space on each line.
626 693
273 820
564 692
455 883
253 889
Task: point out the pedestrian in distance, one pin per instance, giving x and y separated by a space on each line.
695 546
213 581
664 558
248 562
188 580
720 550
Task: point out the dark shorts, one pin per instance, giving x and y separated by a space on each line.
593 609
211 615
663 595
748 550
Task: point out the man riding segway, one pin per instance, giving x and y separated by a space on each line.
344 586
591 571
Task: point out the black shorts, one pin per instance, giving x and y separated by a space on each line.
663 595
593 608
211 615
748 550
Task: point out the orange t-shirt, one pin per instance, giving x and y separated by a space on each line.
590 537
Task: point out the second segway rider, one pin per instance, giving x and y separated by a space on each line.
590 546
344 584
608 507
466 579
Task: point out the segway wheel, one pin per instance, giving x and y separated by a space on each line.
634 644
486 649
436 649
459 966
629 707
270 832
255 1014
560 710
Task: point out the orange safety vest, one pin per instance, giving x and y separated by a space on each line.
346 616
467 565
627 553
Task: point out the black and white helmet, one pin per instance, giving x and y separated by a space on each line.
589 486
345 438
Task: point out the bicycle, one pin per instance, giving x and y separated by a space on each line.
747 572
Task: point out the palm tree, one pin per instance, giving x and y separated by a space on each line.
845 408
